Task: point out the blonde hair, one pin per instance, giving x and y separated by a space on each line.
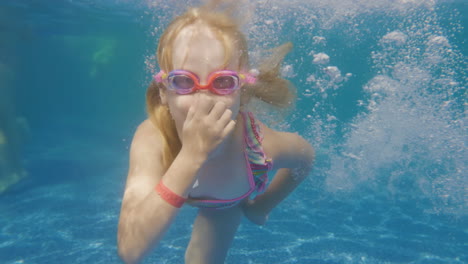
270 87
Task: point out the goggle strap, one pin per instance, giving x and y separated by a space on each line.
248 78
160 77
251 77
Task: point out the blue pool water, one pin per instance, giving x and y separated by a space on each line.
381 96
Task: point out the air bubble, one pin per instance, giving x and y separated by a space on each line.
321 58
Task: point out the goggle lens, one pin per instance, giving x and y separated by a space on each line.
225 83
181 83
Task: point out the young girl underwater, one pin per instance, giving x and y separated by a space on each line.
200 146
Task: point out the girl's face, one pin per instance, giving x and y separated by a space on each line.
196 49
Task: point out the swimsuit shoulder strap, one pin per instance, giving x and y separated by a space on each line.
259 163
253 138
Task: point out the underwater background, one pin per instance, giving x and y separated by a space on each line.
382 97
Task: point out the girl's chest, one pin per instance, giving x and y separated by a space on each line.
226 178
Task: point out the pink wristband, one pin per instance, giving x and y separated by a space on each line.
169 196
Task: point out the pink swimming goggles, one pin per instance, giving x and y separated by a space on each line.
219 82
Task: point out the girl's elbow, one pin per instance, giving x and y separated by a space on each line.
127 249
127 253
306 163
308 154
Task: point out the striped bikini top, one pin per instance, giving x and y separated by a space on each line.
258 163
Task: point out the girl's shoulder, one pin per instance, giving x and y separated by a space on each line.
148 130
145 166
147 139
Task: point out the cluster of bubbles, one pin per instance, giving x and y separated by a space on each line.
407 134
327 76
411 138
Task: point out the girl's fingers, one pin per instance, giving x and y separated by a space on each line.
225 117
192 110
218 110
204 105
229 128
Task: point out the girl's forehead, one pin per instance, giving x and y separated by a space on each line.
198 46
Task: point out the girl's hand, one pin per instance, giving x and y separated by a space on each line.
208 123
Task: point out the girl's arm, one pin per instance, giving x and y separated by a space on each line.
288 151
145 216
293 157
